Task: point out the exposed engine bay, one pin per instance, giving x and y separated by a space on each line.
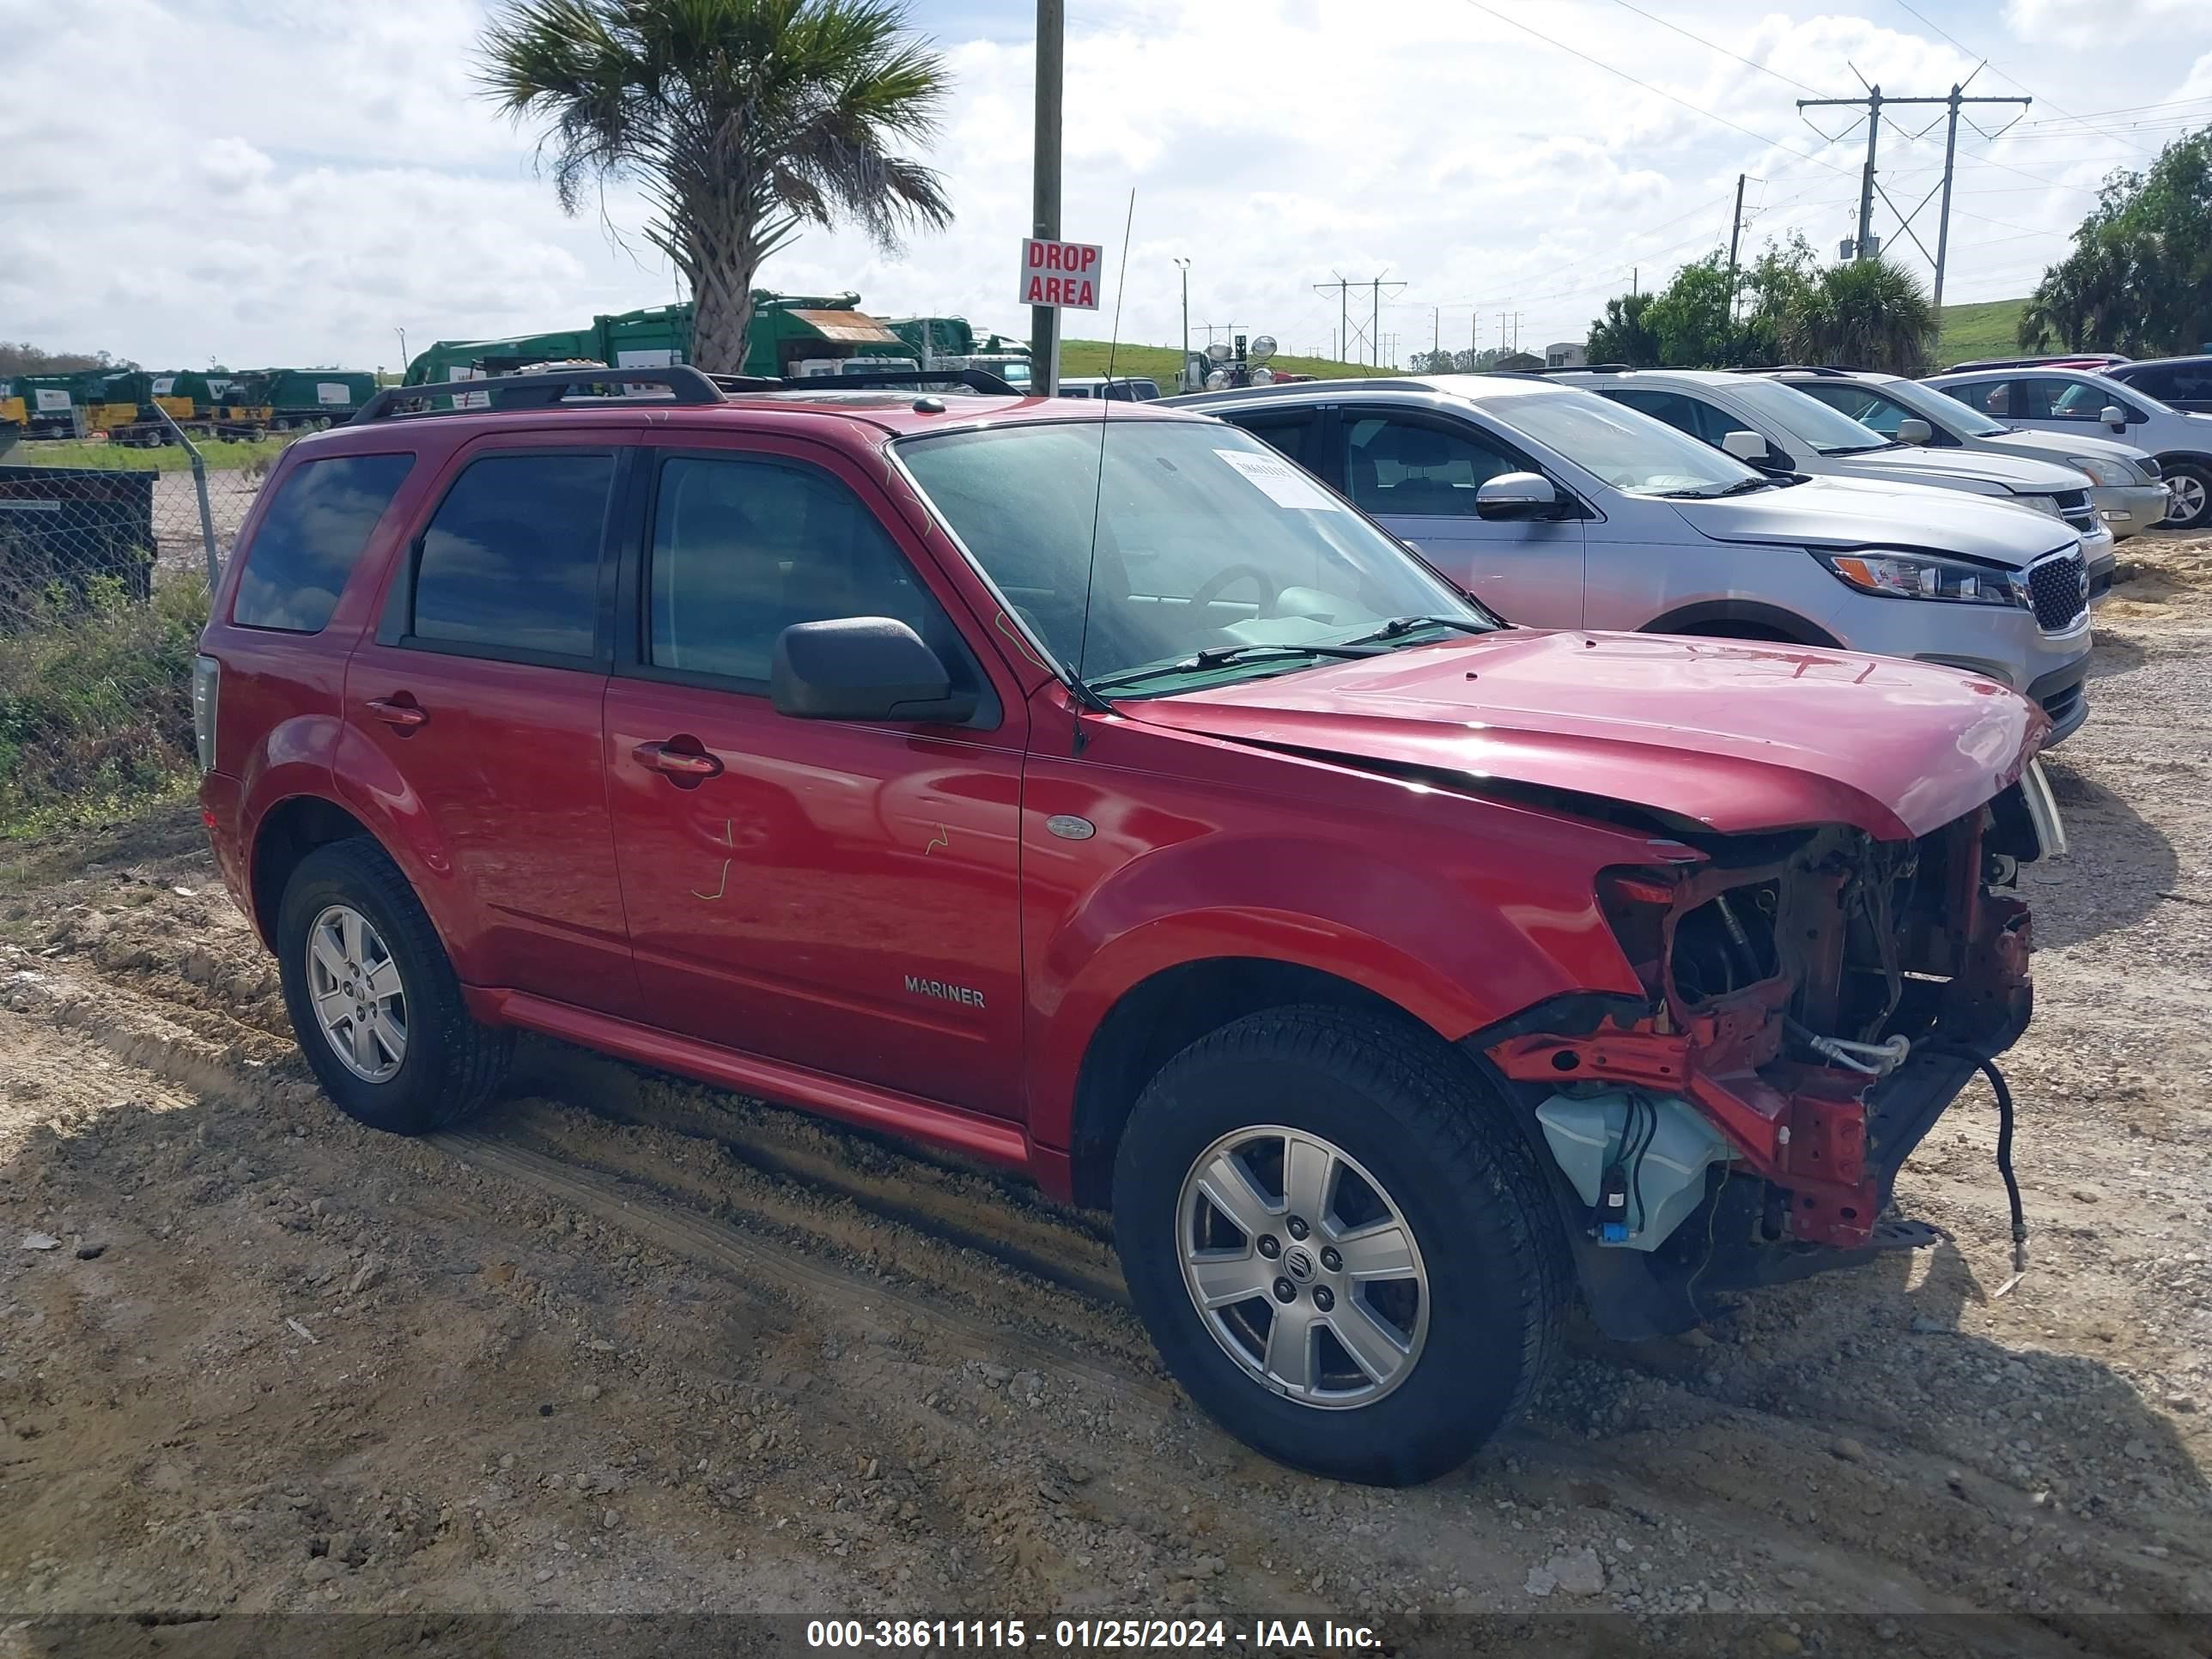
1815 1000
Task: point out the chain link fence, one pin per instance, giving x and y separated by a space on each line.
107 555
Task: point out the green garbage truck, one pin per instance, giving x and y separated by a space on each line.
792 334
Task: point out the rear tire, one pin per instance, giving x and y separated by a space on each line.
2190 484
1455 1330
374 998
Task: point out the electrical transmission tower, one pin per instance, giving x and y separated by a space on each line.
1863 246
1371 336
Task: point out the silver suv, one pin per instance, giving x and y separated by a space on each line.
1558 509
2072 400
2126 487
1779 429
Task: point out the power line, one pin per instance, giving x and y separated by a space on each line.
1903 6
1546 275
1723 50
1659 91
2132 109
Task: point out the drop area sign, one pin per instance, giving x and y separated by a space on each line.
1063 274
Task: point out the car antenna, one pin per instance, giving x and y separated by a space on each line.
1099 490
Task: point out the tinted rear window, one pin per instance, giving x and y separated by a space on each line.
311 539
511 560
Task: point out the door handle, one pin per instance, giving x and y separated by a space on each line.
676 762
403 716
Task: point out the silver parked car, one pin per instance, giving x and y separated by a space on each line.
2126 487
2070 400
1558 509
1777 428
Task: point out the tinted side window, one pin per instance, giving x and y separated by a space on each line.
1290 434
1992 397
2160 382
1700 421
1396 467
1867 408
511 560
2061 400
2191 381
312 537
743 548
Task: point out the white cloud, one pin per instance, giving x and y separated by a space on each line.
291 182
2099 23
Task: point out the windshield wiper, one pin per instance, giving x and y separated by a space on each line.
1398 627
1220 656
1736 488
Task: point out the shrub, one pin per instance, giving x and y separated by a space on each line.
96 701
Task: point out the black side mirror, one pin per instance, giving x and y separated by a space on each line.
862 668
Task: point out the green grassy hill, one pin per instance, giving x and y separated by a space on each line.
1160 362
1991 329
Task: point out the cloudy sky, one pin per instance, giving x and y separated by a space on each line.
292 181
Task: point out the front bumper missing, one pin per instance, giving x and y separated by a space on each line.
1826 1142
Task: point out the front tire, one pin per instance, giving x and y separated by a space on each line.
2190 485
1362 1167
374 999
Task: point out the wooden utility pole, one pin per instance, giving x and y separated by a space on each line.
1736 232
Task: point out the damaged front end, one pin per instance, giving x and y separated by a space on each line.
1814 1001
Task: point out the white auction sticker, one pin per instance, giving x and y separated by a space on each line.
1282 482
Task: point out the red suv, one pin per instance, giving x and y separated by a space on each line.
1085 789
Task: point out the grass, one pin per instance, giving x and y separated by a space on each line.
1991 329
1162 363
95 702
222 455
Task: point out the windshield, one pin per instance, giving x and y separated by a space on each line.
1808 420
1943 412
1207 541
1630 450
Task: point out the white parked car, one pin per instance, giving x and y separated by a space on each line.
2127 487
2073 400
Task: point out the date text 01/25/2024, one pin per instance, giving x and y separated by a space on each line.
1286 1635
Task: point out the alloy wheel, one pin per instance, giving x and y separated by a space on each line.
1302 1266
358 1000
2188 495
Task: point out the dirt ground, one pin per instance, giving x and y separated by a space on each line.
629 1345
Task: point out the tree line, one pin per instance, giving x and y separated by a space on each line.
2139 278
2138 281
1782 307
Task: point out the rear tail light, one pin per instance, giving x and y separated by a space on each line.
207 683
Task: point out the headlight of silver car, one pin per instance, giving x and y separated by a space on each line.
2104 471
1916 576
2041 503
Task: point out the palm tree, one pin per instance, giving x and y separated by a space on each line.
1867 314
743 121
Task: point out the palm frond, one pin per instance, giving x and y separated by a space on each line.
741 121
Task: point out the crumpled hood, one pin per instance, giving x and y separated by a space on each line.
1739 736
2018 475
1851 512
